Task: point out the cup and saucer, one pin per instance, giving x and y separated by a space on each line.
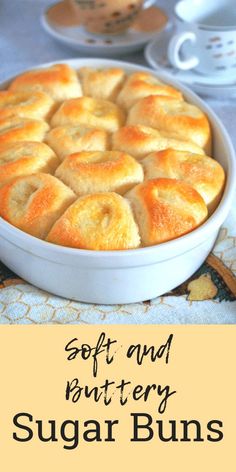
60 22
200 50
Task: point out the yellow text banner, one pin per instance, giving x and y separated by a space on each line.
117 398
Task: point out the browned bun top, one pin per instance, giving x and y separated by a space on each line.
22 129
59 81
142 84
104 84
131 136
102 221
25 104
180 119
166 209
67 140
90 112
92 172
202 172
139 141
33 203
24 158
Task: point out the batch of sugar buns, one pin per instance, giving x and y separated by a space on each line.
102 160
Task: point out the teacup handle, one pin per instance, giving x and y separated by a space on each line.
174 48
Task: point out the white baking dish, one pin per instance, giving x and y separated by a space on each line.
108 277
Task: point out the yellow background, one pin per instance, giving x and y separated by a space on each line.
34 371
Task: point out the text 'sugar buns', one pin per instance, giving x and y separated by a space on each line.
67 140
102 221
25 158
104 84
180 119
91 112
59 81
141 140
202 172
33 203
92 172
166 209
143 84
25 104
22 129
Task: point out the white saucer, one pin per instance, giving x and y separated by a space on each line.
221 86
87 43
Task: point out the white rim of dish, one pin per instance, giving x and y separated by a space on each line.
165 250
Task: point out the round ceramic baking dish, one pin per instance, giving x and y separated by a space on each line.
113 277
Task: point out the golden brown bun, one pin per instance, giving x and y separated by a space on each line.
59 81
143 84
22 129
33 203
90 112
25 104
166 209
92 172
94 152
101 221
202 172
138 141
66 140
104 84
24 158
180 119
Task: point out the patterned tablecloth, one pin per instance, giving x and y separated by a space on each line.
208 297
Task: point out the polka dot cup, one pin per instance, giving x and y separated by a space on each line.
205 38
108 17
